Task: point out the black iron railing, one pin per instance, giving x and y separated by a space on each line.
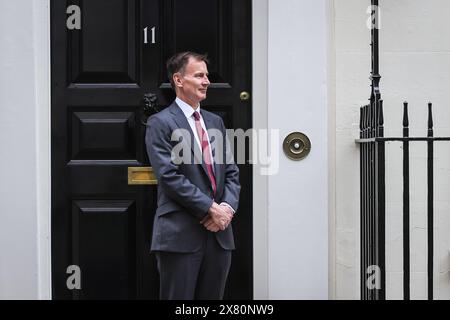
372 180
373 191
372 200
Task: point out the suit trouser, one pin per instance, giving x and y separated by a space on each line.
199 275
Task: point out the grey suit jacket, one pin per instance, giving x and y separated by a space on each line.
184 189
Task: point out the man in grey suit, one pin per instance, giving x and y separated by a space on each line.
192 235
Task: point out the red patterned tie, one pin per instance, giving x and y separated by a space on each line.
205 150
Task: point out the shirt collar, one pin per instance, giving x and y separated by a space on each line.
186 108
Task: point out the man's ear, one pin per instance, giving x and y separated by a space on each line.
177 80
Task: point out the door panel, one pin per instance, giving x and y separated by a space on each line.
107 48
100 74
115 247
102 135
212 29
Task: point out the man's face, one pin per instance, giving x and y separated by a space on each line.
193 83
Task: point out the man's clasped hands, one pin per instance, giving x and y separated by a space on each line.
218 217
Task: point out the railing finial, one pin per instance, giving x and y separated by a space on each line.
361 119
380 119
405 114
430 119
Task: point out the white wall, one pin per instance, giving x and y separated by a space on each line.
23 121
297 226
415 66
352 90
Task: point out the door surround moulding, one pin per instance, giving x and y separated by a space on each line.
42 65
260 91
260 20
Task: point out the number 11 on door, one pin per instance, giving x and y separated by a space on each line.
146 35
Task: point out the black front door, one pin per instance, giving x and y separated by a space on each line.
101 69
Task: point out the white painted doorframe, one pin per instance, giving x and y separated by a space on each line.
41 23
294 41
